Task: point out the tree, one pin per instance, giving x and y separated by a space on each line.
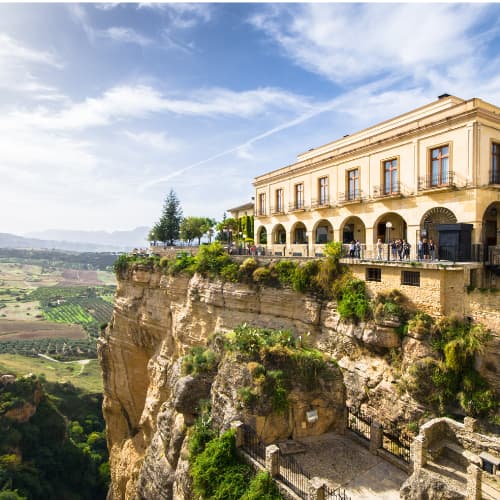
154 234
170 220
195 227
228 229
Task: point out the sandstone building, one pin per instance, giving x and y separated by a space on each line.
400 179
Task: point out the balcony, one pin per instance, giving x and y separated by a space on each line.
277 210
494 176
381 192
320 203
430 182
297 206
261 212
355 196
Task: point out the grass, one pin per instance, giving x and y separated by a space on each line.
86 377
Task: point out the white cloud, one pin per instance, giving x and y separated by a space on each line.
142 100
125 35
182 15
349 43
155 140
13 50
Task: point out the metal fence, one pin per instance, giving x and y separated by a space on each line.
335 494
359 422
253 445
397 444
294 476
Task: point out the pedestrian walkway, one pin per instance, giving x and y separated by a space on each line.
342 461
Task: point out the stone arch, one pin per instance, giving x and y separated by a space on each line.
433 217
491 225
279 234
323 231
397 230
261 236
298 233
353 228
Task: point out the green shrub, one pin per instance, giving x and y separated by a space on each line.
164 262
247 396
210 465
285 270
303 280
263 275
198 360
352 301
121 263
183 263
248 266
230 272
201 434
262 487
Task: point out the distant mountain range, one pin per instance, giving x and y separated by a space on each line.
78 241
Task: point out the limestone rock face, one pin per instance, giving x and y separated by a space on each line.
149 406
424 484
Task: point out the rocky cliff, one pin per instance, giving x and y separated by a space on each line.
149 405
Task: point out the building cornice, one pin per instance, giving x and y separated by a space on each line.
375 142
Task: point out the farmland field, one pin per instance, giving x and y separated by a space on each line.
83 374
16 330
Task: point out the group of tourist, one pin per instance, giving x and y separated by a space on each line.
426 249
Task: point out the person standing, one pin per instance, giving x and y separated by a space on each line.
380 248
432 249
420 250
425 249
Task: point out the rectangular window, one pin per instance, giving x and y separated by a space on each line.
262 204
440 166
373 274
323 191
279 201
353 184
495 163
391 184
299 195
411 278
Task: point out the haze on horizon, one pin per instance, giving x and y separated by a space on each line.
105 107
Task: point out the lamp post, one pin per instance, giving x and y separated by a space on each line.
388 227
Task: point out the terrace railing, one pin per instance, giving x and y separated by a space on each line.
359 422
294 476
253 445
397 444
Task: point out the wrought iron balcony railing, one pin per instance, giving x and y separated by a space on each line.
277 210
351 196
296 205
321 202
436 181
495 176
260 212
382 191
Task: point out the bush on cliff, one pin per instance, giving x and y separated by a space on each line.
451 378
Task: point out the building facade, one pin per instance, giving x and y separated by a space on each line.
400 179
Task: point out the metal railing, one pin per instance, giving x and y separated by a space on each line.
321 202
277 210
335 494
296 205
436 181
397 444
350 196
253 445
294 476
382 192
494 176
359 423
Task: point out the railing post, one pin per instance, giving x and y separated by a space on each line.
418 452
376 437
273 460
316 489
473 491
240 433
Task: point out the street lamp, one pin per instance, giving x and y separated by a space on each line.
388 227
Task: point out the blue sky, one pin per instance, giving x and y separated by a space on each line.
105 107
